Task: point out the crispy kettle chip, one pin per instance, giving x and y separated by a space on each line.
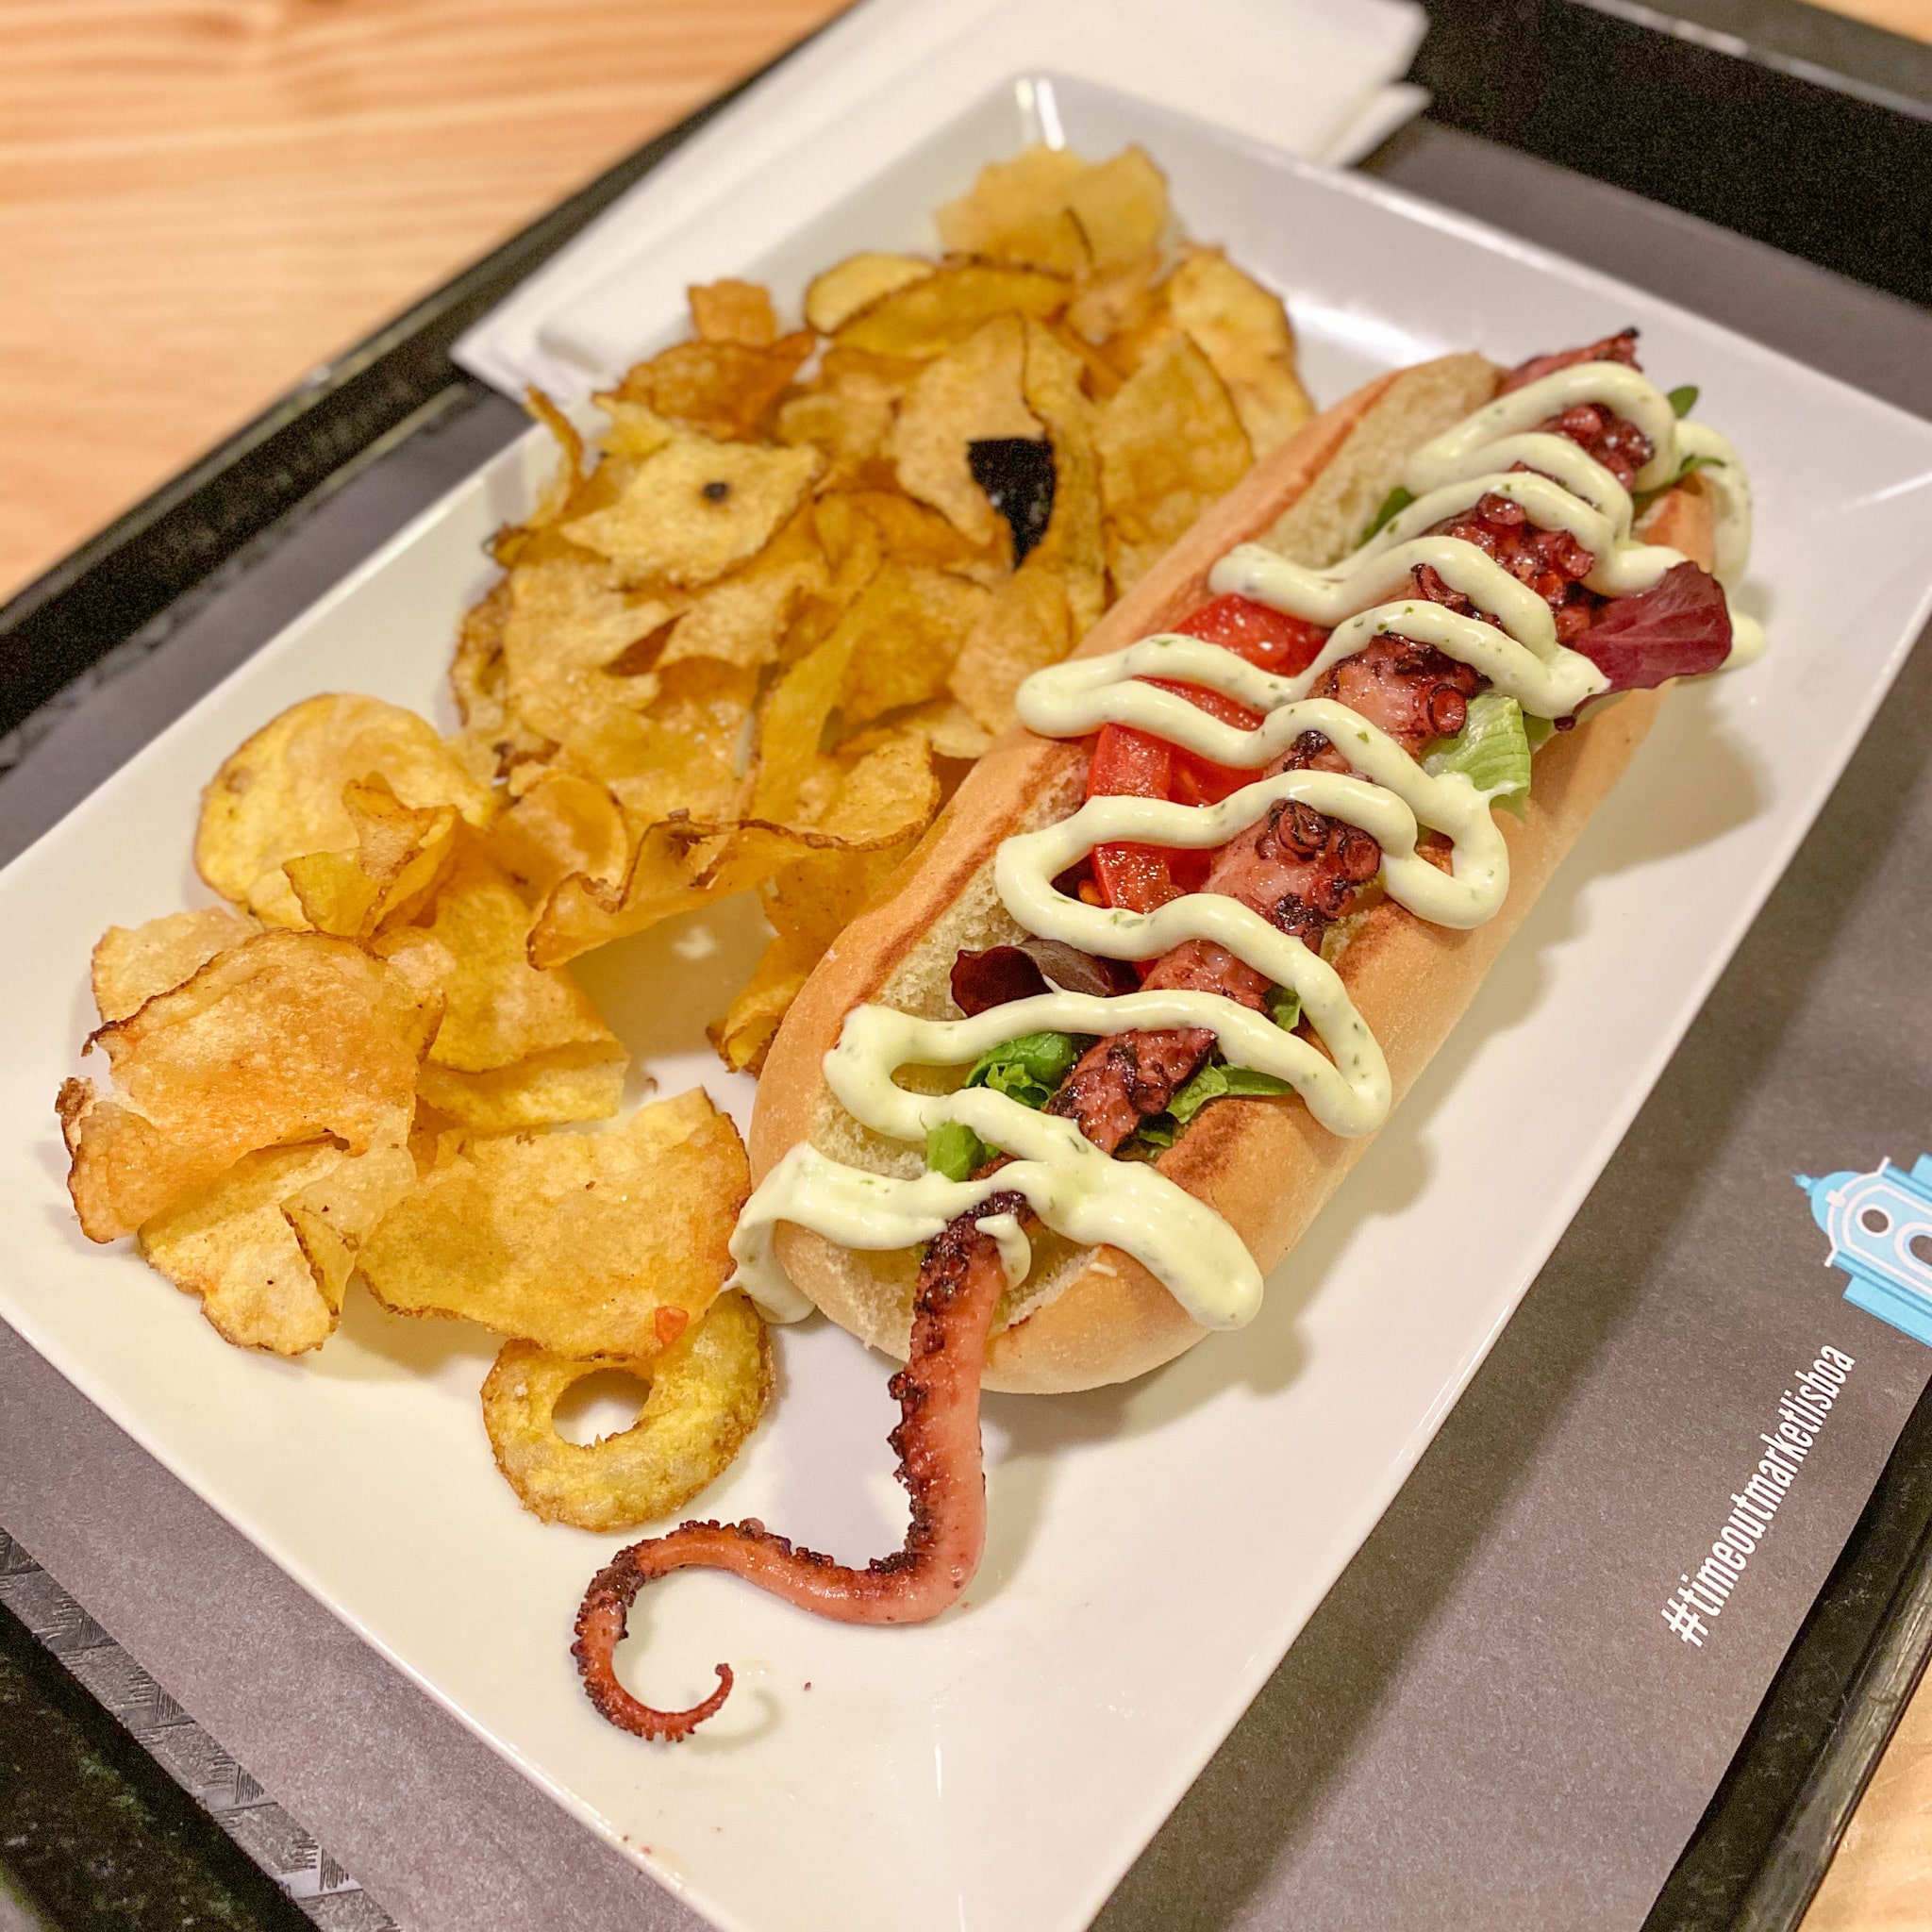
575 1241
131 965
280 795
402 856
1170 445
281 1038
1243 330
707 1392
696 509
270 1245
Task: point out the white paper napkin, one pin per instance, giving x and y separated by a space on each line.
1316 78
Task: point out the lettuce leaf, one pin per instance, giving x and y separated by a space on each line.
1491 750
955 1151
1029 1068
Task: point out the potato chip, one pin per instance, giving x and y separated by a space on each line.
949 727
910 532
569 619
1115 313
633 429
1073 543
575 1241
795 720
475 673
283 1038
403 856
690 752
664 878
723 389
270 1245
832 299
907 626
696 509
847 421
1026 627
969 394
556 1088
1170 445
882 805
928 317
498 1009
1018 213
280 795
1121 206
1243 330
706 1394
562 823
733 311
743 619
131 966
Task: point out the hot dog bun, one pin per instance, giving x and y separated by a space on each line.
1089 1316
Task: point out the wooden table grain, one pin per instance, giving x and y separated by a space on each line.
200 199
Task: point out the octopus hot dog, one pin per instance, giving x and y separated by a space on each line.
1044 1117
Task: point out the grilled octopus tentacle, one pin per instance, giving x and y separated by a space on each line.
937 1445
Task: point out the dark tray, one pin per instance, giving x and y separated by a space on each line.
1782 124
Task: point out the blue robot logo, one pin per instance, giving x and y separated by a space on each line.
1881 1226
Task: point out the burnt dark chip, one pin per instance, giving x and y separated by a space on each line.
717 492
1017 475
1001 974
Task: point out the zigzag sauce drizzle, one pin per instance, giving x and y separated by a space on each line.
1068 1183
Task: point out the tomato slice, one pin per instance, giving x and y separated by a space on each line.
1131 764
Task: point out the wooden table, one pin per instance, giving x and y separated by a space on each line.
201 198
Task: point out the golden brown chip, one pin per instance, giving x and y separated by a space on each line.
834 297
575 1241
562 823
1170 445
284 1037
665 877
634 429
1114 313
1073 544
794 721
882 805
280 795
270 1245
733 311
569 619
949 727
910 532
908 625
131 966
1026 627
847 421
499 1010
721 389
743 619
559 1087
1121 206
706 1394
403 856
1243 330
1018 213
696 509
925 318
969 394
690 752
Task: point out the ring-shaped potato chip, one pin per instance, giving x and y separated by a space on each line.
707 1394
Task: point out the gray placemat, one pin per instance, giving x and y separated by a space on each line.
1432 1750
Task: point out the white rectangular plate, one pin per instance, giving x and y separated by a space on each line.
1155 1549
